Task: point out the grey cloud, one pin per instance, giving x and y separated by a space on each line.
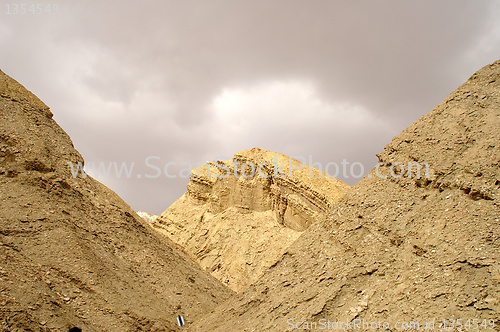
131 79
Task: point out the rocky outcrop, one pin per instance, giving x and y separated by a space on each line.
148 217
239 216
72 253
399 250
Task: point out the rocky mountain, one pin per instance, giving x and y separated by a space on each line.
239 216
73 255
401 250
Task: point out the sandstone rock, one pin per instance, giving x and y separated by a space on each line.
72 253
148 217
399 249
239 216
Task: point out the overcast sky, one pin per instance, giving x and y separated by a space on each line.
191 81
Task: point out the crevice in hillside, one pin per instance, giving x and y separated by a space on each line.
473 193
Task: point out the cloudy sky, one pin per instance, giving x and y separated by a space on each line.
189 81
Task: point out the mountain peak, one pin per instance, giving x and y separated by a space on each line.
11 89
238 216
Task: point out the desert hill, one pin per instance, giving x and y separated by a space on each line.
72 253
399 249
238 220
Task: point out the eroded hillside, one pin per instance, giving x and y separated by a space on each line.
72 253
239 216
399 249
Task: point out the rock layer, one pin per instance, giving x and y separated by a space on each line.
399 249
72 253
239 216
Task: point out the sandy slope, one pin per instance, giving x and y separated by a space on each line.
72 253
399 249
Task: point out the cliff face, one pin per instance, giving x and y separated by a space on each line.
239 216
399 249
261 180
72 253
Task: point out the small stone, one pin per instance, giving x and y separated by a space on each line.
491 300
